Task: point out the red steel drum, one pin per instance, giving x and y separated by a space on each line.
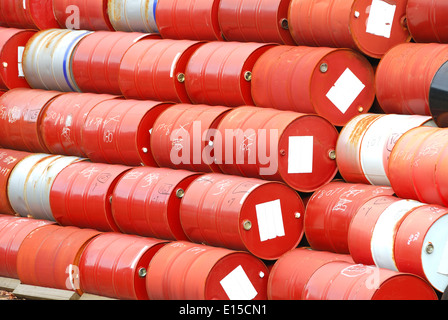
63 120
369 26
263 218
183 137
291 272
21 116
220 73
97 59
341 280
255 21
155 70
13 233
330 210
81 195
187 271
49 255
420 245
194 20
396 90
115 265
146 202
82 14
12 45
119 131
8 160
440 176
426 20
295 148
29 14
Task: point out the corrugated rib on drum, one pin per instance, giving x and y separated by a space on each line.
426 20
29 14
133 15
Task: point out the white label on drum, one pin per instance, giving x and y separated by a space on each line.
345 90
238 286
300 155
270 220
20 51
380 19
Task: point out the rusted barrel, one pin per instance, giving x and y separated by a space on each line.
292 271
12 46
426 20
49 257
365 144
372 231
341 280
371 27
97 59
337 84
183 137
133 15
13 232
115 265
220 73
47 59
255 21
21 118
63 120
420 245
30 184
155 70
82 14
193 20
263 218
188 271
438 94
81 195
397 91
271 144
146 202
119 131
330 211
8 160
29 14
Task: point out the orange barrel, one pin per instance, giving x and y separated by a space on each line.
366 142
337 84
220 73
82 14
155 70
194 20
115 265
263 218
30 183
369 26
81 195
396 90
421 245
295 148
401 162
21 117
340 280
426 20
187 271
49 257
12 46
255 21
330 210
183 137
29 14
291 272
97 58
119 131
133 15
372 231
438 95
8 160
13 232
146 202
63 120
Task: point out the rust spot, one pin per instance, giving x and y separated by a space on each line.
360 128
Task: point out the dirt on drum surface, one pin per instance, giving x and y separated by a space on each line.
4 295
